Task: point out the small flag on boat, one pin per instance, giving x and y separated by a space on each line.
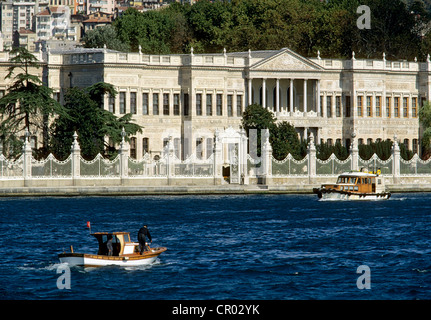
88 225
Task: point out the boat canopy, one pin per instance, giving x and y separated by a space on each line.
118 241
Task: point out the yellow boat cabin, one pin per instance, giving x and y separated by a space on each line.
355 186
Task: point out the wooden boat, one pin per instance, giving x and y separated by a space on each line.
125 252
355 186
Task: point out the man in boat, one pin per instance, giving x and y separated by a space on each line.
142 238
109 245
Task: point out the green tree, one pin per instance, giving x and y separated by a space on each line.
90 121
151 30
28 103
283 136
425 121
106 35
325 150
284 140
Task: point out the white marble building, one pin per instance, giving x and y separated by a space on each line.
189 96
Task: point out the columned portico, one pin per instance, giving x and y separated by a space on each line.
286 96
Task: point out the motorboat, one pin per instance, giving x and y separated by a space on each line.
124 252
355 185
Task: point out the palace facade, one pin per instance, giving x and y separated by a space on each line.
187 97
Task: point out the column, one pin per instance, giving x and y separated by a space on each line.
311 150
354 151
124 157
218 161
243 157
266 157
305 95
27 155
75 150
318 109
250 82
291 95
264 93
396 160
277 95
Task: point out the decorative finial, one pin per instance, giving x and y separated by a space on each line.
123 134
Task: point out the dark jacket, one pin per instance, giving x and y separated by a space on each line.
143 234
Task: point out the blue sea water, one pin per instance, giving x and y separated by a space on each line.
265 247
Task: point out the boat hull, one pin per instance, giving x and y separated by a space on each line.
94 260
328 194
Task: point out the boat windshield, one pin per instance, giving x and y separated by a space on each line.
351 180
126 237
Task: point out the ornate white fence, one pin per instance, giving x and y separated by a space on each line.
289 166
11 169
169 166
415 166
51 167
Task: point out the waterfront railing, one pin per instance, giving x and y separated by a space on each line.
264 169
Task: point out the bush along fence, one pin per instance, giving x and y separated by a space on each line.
229 163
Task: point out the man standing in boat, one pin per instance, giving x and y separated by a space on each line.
142 238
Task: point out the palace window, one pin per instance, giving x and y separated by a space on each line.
388 107
176 104
239 105
406 144
166 104
414 107
209 147
329 106
145 146
122 102
348 108
133 102
378 106
198 104
338 106
209 105
177 147
360 106
111 104
155 104
186 104
396 107
133 148
405 107
369 106
415 146
229 105
199 148
145 103
219 104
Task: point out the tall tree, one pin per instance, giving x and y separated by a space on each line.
425 121
28 103
283 136
106 35
92 123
